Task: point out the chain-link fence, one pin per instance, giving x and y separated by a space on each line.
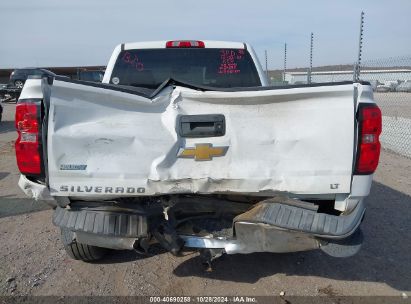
392 92
390 79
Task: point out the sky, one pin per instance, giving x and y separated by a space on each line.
48 33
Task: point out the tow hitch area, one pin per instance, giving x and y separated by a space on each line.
216 226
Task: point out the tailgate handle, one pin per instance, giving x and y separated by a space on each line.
209 125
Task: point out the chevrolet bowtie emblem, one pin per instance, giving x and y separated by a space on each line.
202 152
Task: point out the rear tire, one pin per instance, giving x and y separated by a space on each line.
78 251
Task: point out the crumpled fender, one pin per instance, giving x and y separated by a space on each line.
36 191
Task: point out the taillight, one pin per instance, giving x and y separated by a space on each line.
28 144
370 125
185 44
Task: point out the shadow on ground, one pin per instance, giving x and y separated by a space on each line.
385 256
14 206
124 256
4 174
6 126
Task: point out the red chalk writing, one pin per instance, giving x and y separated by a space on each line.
133 60
229 61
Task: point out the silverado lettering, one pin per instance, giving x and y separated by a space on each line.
100 189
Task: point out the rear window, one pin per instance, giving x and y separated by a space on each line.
94 76
28 72
21 71
37 72
222 68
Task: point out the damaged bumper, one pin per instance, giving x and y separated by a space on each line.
277 227
274 225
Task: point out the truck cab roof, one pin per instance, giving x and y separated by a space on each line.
162 44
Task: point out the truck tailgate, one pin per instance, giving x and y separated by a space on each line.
104 142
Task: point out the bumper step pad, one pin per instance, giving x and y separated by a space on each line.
104 223
288 214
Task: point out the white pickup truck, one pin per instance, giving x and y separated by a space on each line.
185 144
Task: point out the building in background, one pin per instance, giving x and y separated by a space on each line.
72 72
383 76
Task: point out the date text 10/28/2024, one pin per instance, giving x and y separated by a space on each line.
205 299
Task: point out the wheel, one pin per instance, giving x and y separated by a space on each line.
19 84
78 251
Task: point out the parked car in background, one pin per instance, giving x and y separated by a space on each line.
2 87
392 84
374 84
8 92
387 86
404 87
19 76
382 88
91 75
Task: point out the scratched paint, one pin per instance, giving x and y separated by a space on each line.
278 140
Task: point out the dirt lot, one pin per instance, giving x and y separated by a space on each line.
33 261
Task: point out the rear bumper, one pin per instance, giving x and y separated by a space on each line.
276 227
303 220
103 227
102 222
271 226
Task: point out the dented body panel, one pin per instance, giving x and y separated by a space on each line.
103 142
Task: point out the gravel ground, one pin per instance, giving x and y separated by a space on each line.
33 261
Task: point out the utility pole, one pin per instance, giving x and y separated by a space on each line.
266 65
285 61
311 59
357 66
